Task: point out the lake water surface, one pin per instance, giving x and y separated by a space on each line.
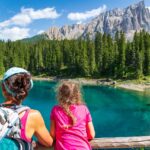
115 112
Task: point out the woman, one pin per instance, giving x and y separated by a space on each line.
16 84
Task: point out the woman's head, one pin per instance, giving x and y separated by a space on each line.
16 84
69 93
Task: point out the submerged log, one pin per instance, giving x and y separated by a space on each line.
117 142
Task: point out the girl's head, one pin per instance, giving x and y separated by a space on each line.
69 93
16 84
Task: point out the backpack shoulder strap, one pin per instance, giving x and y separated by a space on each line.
20 108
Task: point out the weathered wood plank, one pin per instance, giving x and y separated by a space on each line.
121 142
117 142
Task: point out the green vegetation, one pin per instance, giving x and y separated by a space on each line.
103 57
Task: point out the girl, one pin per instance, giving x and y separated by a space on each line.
71 122
16 85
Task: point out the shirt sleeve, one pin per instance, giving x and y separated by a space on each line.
88 115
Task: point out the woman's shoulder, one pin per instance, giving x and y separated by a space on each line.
34 111
35 119
35 114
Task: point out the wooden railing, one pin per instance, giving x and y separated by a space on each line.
118 142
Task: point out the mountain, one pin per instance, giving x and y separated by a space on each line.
36 38
133 18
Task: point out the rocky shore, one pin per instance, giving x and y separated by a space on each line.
141 87
136 87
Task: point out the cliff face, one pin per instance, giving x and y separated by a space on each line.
133 18
66 32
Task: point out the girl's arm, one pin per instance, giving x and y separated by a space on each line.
40 130
52 129
90 130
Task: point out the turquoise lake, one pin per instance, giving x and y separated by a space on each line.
115 112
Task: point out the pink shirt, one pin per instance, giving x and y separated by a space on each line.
75 137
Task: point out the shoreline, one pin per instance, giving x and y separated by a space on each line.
135 87
129 84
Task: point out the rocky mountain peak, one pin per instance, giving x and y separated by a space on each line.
141 4
133 18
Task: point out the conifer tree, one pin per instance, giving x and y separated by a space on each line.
105 56
91 55
116 54
138 55
99 52
111 56
66 52
76 57
2 69
84 67
147 54
121 56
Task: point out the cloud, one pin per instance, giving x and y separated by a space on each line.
16 27
79 22
82 16
14 33
40 32
27 15
47 13
148 7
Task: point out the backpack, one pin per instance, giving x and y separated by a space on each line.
10 127
8 143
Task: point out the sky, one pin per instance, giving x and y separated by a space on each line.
25 18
